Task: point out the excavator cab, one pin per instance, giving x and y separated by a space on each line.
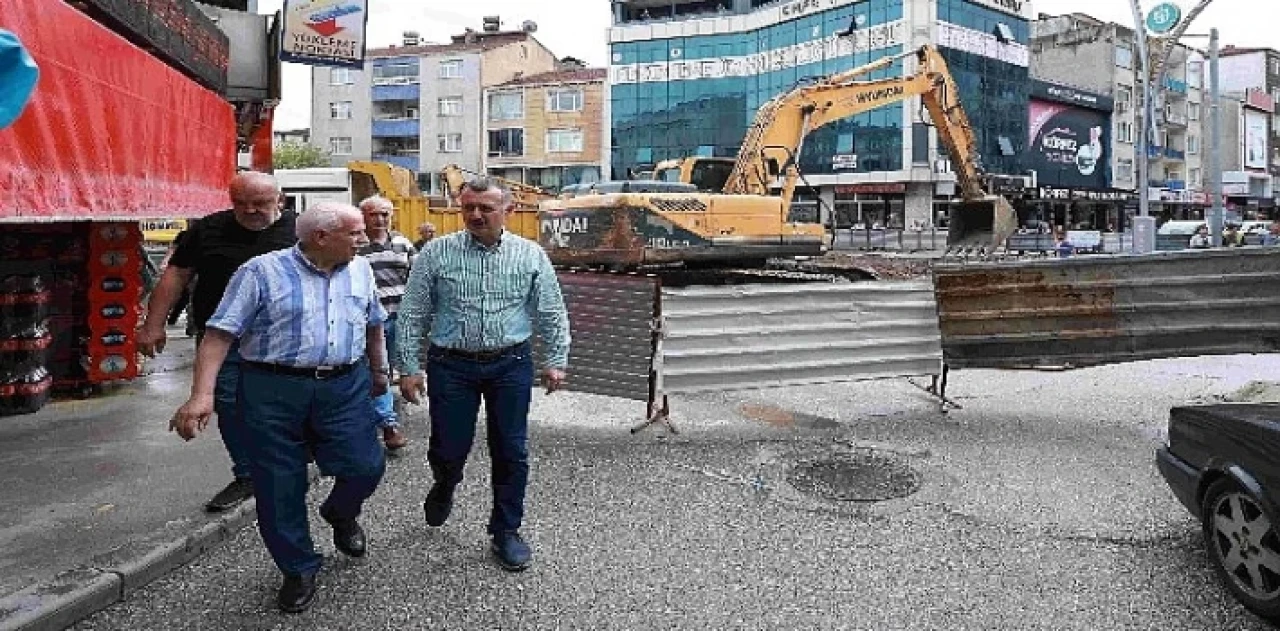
982 224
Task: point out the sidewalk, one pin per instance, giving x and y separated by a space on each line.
100 497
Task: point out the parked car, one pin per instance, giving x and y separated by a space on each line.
1223 463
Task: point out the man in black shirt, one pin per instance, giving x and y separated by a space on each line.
213 249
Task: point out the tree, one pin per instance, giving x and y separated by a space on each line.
299 155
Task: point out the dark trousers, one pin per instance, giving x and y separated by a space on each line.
284 416
455 387
225 403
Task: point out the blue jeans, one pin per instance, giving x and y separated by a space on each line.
385 405
285 416
455 387
230 425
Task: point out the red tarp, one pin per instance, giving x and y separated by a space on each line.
110 132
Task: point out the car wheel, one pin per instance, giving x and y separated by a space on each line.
1243 545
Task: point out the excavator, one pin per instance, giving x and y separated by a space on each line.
728 214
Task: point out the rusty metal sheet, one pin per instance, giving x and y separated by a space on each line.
1093 310
611 319
755 336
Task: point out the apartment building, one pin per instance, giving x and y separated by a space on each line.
686 78
419 105
1100 57
547 129
1251 76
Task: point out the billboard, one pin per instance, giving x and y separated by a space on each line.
1068 145
1255 140
324 32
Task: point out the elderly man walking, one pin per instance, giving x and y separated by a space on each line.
479 294
212 249
391 257
309 325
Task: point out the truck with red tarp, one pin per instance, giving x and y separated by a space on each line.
125 124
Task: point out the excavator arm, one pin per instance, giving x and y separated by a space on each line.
774 141
524 195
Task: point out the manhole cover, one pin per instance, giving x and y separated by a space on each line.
863 476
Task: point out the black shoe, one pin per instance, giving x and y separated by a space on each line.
513 553
238 491
348 537
438 505
297 592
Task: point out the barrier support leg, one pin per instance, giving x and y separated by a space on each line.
938 389
660 417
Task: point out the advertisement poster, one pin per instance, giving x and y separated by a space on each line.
1068 145
324 32
1255 140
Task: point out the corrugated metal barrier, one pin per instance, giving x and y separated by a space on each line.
1109 309
752 336
612 319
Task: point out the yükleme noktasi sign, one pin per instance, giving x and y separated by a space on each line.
324 32
1068 145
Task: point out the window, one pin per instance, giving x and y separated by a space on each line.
1124 170
1193 144
1193 178
564 141
450 143
401 72
1124 98
450 106
342 76
564 100
505 106
340 110
1174 176
506 143
1195 72
340 145
1124 132
1193 111
1124 56
451 69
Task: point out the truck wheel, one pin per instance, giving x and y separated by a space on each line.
1242 544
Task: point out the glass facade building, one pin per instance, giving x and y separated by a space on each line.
689 82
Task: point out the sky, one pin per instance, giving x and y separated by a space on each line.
576 28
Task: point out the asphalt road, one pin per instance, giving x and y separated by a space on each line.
1038 507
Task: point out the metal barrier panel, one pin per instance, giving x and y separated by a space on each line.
1086 311
754 336
611 319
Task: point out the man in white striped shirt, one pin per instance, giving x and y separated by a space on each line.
391 257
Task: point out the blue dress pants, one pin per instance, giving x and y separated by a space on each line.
286 415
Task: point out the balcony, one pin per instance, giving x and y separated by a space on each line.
1174 154
397 128
1176 119
405 159
410 92
1175 86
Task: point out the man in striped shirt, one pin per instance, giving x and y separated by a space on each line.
480 293
309 325
391 256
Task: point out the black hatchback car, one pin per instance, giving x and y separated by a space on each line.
1223 463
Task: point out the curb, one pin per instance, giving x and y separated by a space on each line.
63 600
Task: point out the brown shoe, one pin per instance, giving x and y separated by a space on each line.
393 438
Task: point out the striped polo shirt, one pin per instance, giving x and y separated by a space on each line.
473 297
286 311
391 262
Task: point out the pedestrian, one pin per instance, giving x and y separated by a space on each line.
1064 246
478 294
214 248
1200 240
309 325
426 232
1273 234
1231 237
390 255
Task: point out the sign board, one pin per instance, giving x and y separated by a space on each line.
1058 93
875 188
324 32
844 161
1163 18
1068 145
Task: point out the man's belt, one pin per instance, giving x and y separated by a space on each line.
313 372
483 356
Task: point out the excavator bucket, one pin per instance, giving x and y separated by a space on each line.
983 224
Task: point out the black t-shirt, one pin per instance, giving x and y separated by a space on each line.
216 246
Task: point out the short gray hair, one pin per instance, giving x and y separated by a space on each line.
376 201
323 216
484 184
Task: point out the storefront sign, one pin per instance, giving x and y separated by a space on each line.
324 32
1046 91
879 188
844 161
1255 140
1260 100
1049 192
1067 145
1020 8
984 44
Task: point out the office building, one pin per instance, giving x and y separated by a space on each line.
686 78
